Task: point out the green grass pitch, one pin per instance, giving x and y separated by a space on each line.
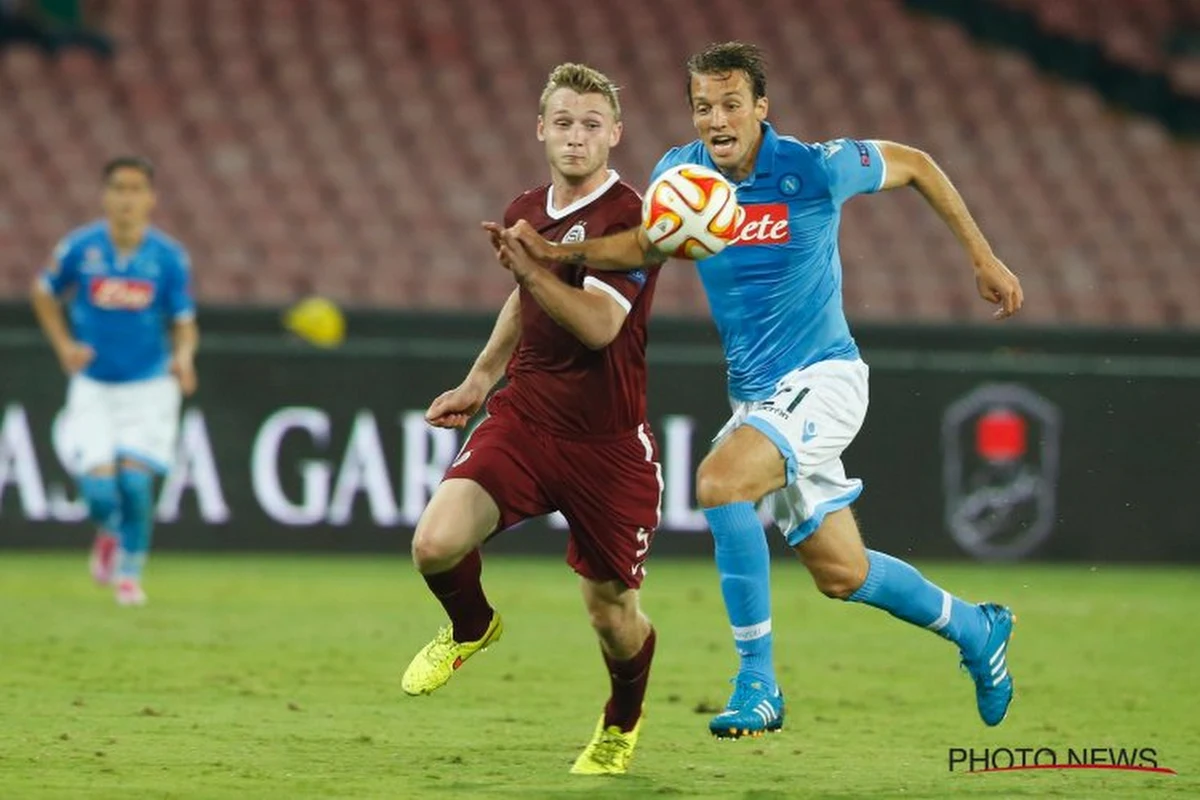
278 677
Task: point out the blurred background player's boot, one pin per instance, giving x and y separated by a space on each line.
129 593
103 559
438 660
989 667
609 752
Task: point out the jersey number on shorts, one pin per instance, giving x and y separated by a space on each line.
643 538
795 400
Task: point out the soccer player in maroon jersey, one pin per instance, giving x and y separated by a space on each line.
568 432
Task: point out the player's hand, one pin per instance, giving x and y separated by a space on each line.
538 247
184 369
997 284
516 258
495 235
74 356
454 409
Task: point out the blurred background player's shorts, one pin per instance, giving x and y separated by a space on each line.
317 321
105 422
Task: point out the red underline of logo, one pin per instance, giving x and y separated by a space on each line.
1124 767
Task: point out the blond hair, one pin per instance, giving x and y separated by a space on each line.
581 79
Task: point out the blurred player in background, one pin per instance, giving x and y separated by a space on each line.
125 284
568 433
796 382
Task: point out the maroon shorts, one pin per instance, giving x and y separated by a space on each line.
609 490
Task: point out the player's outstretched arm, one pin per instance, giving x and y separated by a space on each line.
617 252
907 166
72 355
454 408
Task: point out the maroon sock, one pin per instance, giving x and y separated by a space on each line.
629 679
459 591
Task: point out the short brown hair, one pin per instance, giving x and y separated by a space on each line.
140 163
582 79
727 57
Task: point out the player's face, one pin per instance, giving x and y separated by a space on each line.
128 197
728 119
578 130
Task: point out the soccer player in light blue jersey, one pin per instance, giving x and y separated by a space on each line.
124 284
797 385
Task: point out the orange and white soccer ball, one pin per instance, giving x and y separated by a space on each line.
691 212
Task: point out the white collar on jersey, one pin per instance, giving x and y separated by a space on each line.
553 213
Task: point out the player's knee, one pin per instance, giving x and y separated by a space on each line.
610 606
839 580
612 621
427 552
433 549
100 494
605 619
719 487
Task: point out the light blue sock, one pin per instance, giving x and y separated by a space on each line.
137 506
744 562
900 590
103 502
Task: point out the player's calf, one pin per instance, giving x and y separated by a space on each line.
627 642
612 745
981 632
137 508
103 502
102 561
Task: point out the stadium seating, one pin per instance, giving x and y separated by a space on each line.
352 148
1145 34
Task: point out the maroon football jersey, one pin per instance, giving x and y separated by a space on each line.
554 380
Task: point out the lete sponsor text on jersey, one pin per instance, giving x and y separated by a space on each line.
764 223
127 294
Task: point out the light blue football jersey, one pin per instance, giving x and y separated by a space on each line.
122 306
776 291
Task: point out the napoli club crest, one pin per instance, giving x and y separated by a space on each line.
1000 451
789 184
